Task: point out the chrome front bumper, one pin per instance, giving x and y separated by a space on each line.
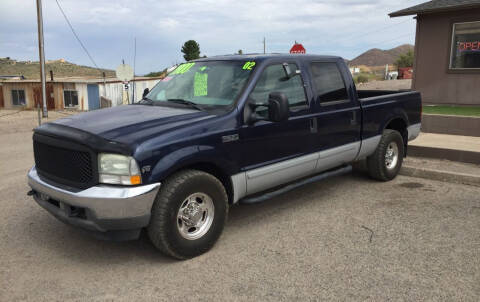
105 207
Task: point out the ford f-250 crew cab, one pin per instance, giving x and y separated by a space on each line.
215 131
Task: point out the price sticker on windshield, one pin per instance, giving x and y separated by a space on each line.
183 68
248 65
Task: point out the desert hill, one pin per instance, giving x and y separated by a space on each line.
379 57
61 68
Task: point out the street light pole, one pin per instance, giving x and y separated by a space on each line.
41 54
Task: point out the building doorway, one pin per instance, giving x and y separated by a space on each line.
37 95
2 104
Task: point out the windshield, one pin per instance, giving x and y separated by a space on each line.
210 84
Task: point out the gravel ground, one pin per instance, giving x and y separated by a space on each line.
346 238
386 85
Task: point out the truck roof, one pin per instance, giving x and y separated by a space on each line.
262 56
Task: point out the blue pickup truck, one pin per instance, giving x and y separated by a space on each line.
214 132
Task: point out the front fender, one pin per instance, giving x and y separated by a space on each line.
192 155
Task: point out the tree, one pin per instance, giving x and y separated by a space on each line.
405 60
191 50
240 52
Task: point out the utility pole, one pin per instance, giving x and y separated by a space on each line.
41 54
134 59
264 45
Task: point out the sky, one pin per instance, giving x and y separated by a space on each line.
108 28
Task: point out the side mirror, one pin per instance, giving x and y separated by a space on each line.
145 92
278 110
288 72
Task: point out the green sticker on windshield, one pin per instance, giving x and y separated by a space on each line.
248 65
200 84
183 68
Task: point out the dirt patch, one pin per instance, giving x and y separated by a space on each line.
386 85
14 121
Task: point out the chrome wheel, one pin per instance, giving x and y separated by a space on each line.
195 216
391 155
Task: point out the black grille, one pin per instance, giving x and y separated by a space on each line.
73 167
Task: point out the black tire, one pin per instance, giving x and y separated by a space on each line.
163 230
376 164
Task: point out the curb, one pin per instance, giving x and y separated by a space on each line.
440 153
446 176
451 124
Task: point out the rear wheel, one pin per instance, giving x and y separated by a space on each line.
188 214
387 160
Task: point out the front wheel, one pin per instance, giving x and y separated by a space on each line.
188 214
387 160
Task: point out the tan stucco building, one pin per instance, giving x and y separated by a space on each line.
447 51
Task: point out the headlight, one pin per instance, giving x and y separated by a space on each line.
118 169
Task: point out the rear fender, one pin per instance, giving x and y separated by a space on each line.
397 113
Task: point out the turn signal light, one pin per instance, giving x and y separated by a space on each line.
135 180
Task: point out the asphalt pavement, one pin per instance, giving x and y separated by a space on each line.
345 238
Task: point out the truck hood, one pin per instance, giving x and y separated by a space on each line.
132 123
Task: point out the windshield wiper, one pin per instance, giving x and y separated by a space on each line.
186 102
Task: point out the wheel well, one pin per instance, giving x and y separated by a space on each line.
218 173
399 125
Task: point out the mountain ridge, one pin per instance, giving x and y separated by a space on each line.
379 57
61 69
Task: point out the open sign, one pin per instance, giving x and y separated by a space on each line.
464 46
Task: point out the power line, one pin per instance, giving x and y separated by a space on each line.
373 31
76 36
385 41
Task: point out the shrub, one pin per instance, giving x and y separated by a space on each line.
405 60
361 78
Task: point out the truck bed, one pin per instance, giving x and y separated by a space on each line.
381 106
363 94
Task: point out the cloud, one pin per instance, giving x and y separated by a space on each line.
108 28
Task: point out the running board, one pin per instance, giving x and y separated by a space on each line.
289 187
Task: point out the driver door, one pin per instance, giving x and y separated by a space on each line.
274 153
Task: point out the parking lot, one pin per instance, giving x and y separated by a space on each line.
346 238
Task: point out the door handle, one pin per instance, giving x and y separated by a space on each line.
353 121
313 125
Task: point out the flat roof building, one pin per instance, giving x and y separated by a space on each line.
447 51
72 93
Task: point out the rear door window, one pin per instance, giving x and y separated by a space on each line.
328 83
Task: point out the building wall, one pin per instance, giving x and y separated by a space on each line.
7 95
139 87
432 78
116 92
58 95
112 91
30 98
82 96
